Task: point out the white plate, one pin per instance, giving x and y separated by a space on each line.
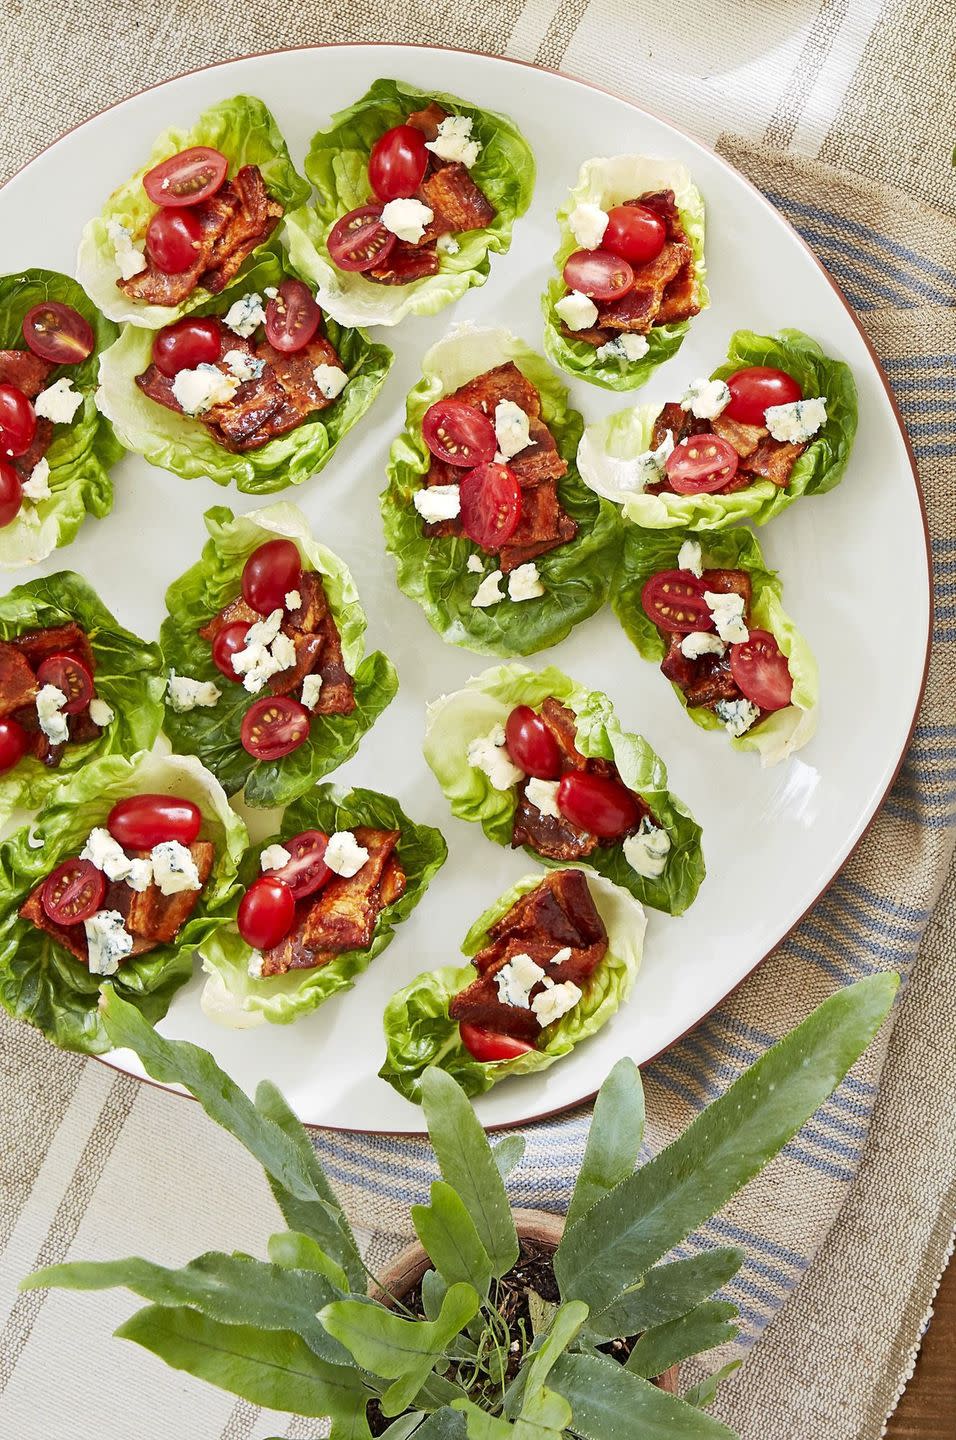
854 564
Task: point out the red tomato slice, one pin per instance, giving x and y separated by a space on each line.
58 333
753 389
228 642
760 669
601 807
11 493
73 892
531 744
71 676
292 317
701 464
186 178
13 744
487 1045
266 913
674 601
274 727
172 241
634 233
598 274
18 422
359 241
458 433
397 164
186 344
306 871
490 505
269 574
141 821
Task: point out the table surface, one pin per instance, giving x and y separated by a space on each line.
927 1410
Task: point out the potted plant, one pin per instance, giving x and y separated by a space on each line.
496 1336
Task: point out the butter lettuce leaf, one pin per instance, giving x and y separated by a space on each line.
42 983
420 1032
606 183
337 165
434 572
487 700
233 997
213 733
245 131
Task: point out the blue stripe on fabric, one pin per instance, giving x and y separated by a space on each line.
854 227
897 810
936 361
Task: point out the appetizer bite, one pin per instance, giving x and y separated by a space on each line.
775 422
56 450
131 865
256 387
74 685
185 225
551 961
414 190
543 762
492 531
705 607
263 643
321 901
631 270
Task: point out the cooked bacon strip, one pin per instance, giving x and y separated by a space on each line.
28 372
729 582
456 200
774 460
406 262
681 298
237 610
428 120
541 460
18 683
504 382
37 645
636 311
664 204
42 439
708 678
744 438
154 287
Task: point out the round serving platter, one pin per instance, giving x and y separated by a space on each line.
854 564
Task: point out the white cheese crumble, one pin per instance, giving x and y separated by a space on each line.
140 875
107 942
407 219
266 652
737 715
273 857
524 582
489 592
577 311
555 1001
511 428
543 795
199 390
475 565
311 690
106 854
454 141
49 702
728 612
647 851
174 868
488 754
701 642
59 402
243 366
447 245
245 314
624 347
293 599
588 223
130 260
798 422
100 713
690 557
270 291
648 467
706 398
184 693
516 980
38 485
344 855
254 967
437 502
330 380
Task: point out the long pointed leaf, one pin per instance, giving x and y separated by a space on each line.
294 1251
614 1139
609 1403
445 1424
508 1153
704 1328
705 1393
449 1236
666 1292
404 1426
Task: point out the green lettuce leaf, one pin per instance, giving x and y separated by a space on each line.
128 677
606 183
609 447
42 983
433 571
419 1031
184 445
82 452
245 131
235 998
213 734
337 165
487 700
647 552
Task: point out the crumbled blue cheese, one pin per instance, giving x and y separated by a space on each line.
273 857
106 854
524 582
588 223
184 693
475 564
100 713
516 980
454 141
577 311
624 347
408 219
648 467
311 690
344 855
140 875
690 557
447 245
245 314
174 868
265 653
330 380
107 942
489 592
706 398
130 260
543 795
293 599
488 754
737 715
728 612
647 851
701 642
254 966
511 428
555 1001
437 502
798 422
283 651
59 402
199 390
49 702
243 366
38 485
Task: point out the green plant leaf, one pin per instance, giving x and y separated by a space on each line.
609 1403
448 1233
445 1424
705 1393
726 1145
709 1325
404 1426
614 1139
434 1291
468 1165
666 1292
295 1251
509 1152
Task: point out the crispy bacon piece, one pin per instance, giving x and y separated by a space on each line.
42 438
541 460
595 336
729 582
406 262
237 610
636 311
707 679
504 382
28 372
154 287
553 837
37 645
542 527
456 200
744 438
679 422
774 460
663 203
18 684
20 658
428 120
681 298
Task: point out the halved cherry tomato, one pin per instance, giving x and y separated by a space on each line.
635 233
292 317
487 1045
269 574
397 164
458 433
700 464
674 601
57 333
18 421
266 912
73 892
142 821
228 642
598 274
306 871
531 744
186 178
273 727
188 343
602 807
760 669
753 389
172 241
359 241
13 744
490 505
11 493
70 676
